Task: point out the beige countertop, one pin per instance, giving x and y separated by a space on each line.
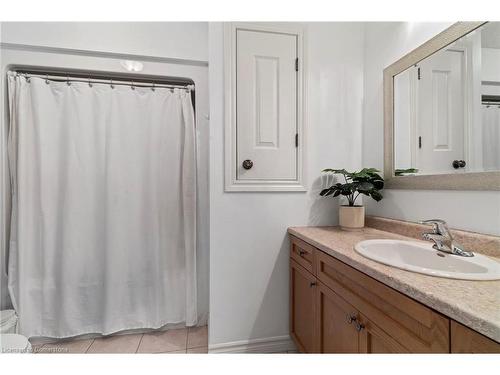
475 304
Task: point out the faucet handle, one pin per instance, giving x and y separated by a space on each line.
439 226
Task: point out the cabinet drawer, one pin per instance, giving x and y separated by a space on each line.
302 253
414 326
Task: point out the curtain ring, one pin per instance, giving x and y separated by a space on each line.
27 77
67 81
47 79
111 84
132 86
90 83
153 88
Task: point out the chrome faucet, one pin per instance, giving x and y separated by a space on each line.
443 240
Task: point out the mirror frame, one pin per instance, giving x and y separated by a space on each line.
452 181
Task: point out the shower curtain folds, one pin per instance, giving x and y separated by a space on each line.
103 229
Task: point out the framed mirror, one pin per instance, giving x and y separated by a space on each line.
442 112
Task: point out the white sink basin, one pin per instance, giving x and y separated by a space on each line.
422 258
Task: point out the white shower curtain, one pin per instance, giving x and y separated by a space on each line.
104 207
491 137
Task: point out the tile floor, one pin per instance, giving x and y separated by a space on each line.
185 340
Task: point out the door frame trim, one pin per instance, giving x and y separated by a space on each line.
231 182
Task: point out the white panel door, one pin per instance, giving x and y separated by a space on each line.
441 112
266 105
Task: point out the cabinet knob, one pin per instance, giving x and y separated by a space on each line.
351 318
312 283
302 253
247 164
359 326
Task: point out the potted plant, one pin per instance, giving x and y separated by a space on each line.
367 182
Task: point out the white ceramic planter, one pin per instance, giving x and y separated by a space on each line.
352 218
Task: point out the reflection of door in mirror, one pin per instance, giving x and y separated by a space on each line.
440 112
447 108
430 114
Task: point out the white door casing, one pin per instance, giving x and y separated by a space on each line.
264 107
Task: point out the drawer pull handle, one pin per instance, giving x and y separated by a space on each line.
312 283
359 326
302 253
351 318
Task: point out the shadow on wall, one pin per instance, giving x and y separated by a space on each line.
323 210
264 326
387 207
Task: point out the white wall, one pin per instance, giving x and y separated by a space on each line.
248 240
182 40
471 210
165 40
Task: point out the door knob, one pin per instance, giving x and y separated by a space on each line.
459 164
247 164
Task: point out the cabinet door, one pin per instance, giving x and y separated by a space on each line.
465 340
374 340
335 319
302 307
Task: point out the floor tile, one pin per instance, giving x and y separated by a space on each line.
199 350
174 352
166 341
116 344
197 337
68 347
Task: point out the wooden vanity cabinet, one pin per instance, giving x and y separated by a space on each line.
302 308
388 319
334 323
340 328
335 308
466 340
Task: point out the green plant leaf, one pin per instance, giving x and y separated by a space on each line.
324 192
367 181
402 172
376 195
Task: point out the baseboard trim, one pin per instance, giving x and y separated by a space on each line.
277 344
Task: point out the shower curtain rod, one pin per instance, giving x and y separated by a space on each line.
140 82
